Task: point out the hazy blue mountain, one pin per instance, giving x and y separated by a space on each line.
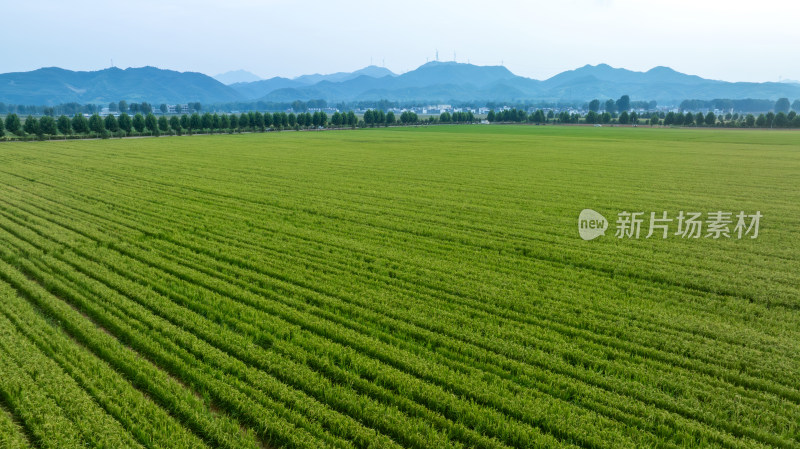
53 85
258 89
659 83
433 82
236 76
371 71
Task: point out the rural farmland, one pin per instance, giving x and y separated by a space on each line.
400 287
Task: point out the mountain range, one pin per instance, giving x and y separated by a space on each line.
433 82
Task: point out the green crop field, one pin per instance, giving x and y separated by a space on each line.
409 287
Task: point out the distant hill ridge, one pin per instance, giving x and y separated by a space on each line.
431 82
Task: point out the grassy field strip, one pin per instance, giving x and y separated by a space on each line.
245 354
12 434
222 430
720 267
69 413
389 288
152 425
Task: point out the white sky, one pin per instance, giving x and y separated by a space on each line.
732 40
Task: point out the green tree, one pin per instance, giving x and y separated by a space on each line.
292 118
164 108
444 117
244 121
111 123
125 123
224 122
195 122
491 116
175 124
606 117
591 117
770 119
699 119
96 124
64 126
138 123
151 123
688 120
654 120
233 120
261 125
390 118
623 104
206 121
184 121
31 125
594 105
122 106
113 107
780 120
268 119
163 124
611 106
13 124
710 119
79 124
796 105
624 117
47 125
750 120
2 129
336 119
761 121
216 121
782 105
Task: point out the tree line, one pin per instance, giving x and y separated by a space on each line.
79 126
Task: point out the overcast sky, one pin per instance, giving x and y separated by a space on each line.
731 40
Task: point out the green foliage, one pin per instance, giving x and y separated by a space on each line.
623 104
125 123
138 123
111 123
80 124
13 124
47 125
31 125
782 105
64 125
175 123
